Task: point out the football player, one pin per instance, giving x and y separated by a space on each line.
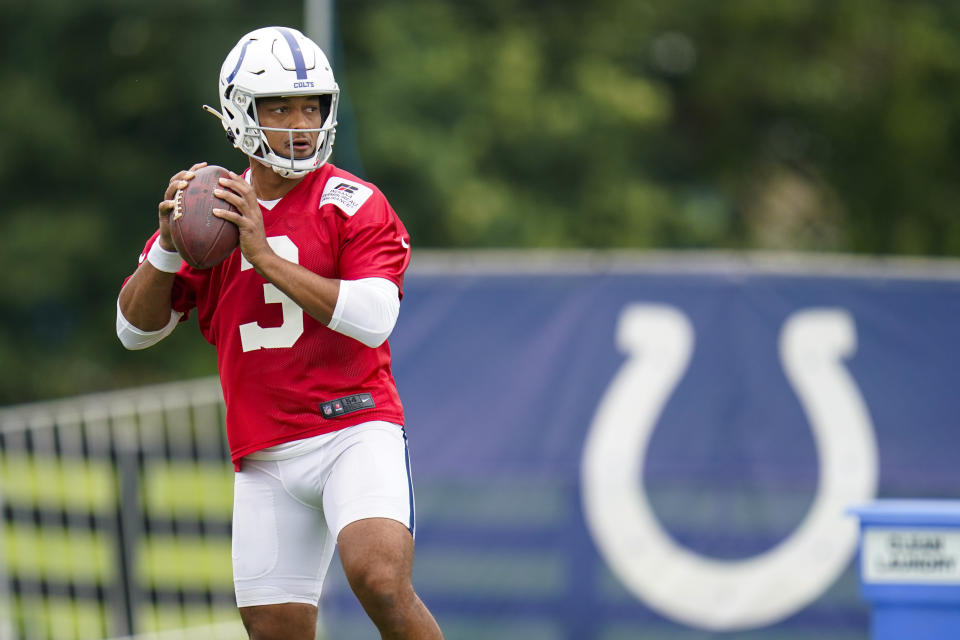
299 316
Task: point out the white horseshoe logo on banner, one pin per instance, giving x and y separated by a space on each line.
693 589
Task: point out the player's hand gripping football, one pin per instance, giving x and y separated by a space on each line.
178 181
253 238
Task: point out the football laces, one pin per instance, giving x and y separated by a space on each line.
178 204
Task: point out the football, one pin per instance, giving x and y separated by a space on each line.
202 239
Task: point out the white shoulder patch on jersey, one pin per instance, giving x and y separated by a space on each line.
346 194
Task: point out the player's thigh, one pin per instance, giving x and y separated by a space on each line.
281 546
376 553
288 621
370 478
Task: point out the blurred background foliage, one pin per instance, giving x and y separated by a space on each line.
800 125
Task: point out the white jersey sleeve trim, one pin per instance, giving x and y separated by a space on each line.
133 338
366 310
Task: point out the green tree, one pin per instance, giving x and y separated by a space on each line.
783 124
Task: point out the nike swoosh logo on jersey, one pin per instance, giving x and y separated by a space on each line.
403 242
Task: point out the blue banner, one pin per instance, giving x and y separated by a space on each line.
626 451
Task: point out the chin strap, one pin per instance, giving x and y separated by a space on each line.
282 171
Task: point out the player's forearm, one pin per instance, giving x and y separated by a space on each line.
315 294
145 298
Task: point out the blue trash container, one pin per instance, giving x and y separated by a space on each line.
910 568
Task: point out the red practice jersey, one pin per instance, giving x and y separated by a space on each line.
285 375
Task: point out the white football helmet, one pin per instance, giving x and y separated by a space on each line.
271 62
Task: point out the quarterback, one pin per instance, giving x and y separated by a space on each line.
299 315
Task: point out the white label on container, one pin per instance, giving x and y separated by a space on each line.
915 556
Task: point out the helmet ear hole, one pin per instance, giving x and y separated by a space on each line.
326 101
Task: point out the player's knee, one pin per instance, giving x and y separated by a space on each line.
381 588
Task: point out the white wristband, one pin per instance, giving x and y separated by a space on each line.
163 260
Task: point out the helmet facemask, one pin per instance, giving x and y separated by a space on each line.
253 137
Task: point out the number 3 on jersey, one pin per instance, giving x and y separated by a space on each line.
252 335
